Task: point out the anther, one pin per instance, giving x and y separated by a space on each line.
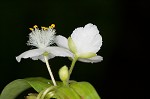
44 28
35 26
31 29
52 26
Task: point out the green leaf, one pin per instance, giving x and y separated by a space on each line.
58 92
47 93
76 90
39 83
85 90
13 89
65 92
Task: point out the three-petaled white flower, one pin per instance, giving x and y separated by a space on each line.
42 39
84 43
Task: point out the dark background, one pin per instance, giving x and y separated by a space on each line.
123 74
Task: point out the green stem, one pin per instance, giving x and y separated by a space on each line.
49 70
71 68
72 65
65 83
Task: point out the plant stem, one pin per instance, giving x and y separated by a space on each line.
71 68
49 70
72 65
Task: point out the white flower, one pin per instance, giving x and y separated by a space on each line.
84 43
42 39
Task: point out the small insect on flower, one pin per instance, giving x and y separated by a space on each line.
43 39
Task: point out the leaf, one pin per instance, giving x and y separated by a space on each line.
85 90
58 92
13 89
39 83
76 90
65 92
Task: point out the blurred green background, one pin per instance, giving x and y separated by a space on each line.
120 23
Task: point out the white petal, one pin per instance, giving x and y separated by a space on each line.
87 39
29 53
58 51
61 41
95 59
42 58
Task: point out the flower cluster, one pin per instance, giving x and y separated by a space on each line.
82 45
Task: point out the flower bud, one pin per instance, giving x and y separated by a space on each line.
63 73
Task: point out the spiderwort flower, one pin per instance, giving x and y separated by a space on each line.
84 43
42 39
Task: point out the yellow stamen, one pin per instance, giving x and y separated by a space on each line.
44 28
52 26
31 29
35 26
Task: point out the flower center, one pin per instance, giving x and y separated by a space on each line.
43 37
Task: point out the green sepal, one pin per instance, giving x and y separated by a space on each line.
72 45
87 55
